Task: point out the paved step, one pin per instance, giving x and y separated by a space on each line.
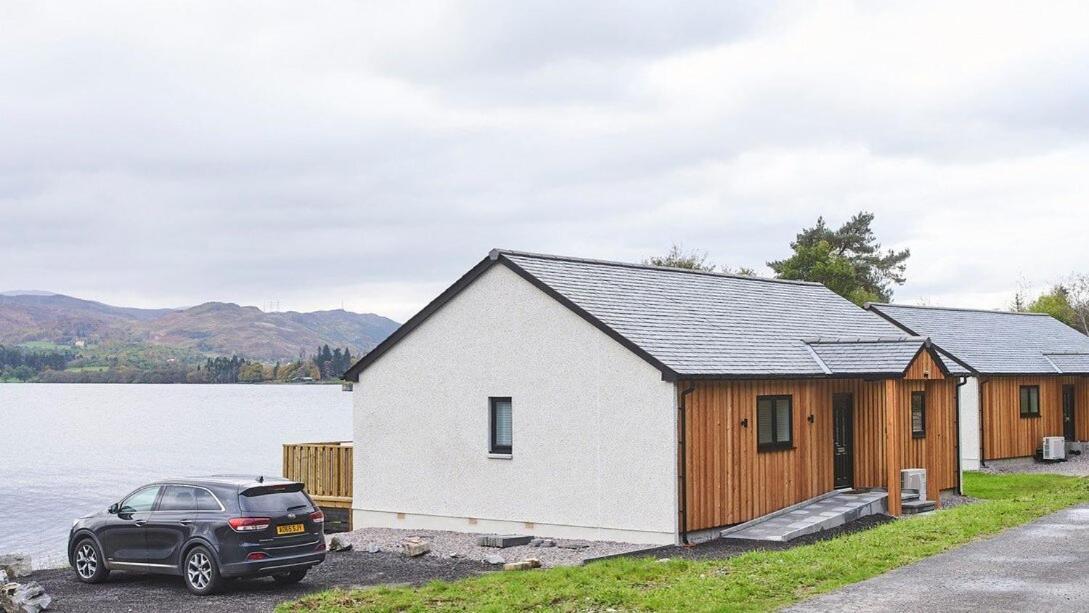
821 514
911 507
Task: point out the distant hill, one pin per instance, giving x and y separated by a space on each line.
213 328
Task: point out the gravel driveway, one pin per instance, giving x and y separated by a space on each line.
125 592
1075 466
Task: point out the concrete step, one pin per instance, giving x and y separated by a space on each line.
822 513
911 507
909 494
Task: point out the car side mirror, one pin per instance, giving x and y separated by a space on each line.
114 508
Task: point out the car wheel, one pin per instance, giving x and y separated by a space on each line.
88 562
201 572
294 576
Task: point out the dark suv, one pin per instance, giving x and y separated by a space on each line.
204 529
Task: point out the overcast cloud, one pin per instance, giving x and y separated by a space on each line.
165 154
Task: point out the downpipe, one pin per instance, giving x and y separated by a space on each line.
682 476
956 395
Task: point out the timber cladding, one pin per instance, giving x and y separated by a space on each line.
1006 434
728 481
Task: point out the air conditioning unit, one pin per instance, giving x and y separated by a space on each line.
1054 448
913 480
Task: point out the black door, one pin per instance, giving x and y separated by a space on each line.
124 536
842 439
171 525
1068 413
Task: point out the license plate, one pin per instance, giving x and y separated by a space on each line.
290 529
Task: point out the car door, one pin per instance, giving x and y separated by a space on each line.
171 524
124 538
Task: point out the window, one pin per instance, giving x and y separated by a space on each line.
1030 401
918 414
140 501
274 502
774 422
186 498
502 425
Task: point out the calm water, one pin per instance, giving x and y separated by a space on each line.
68 450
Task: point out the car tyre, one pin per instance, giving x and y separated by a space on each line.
200 571
294 576
88 562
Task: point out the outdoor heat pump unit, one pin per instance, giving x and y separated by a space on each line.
913 480
1054 448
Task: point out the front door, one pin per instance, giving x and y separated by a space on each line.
843 440
1069 432
124 538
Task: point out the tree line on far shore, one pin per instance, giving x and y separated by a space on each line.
67 366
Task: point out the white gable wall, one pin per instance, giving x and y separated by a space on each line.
594 425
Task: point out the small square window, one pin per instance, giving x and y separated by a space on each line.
918 414
501 422
1030 401
774 422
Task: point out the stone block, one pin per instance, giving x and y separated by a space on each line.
527 564
503 541
415 547
494 559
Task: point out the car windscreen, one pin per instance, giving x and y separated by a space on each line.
275 502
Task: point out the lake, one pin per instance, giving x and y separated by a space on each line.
68 450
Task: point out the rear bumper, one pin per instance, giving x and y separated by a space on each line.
272 566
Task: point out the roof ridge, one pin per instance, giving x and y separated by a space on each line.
495 253
944 308
856 340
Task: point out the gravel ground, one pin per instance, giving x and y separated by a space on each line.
950 500
463 546
1075 465
125 592
727 548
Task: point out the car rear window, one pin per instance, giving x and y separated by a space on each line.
274 502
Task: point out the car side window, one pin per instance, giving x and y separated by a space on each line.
205 500
141 500
178 498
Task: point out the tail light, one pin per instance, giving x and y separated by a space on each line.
317 517
249 524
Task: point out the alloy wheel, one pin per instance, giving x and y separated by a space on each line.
199 570
86 561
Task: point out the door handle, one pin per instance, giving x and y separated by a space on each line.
185 522
140 522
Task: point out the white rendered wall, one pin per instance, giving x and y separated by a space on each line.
594 425
969 424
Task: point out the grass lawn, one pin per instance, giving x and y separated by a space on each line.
756 581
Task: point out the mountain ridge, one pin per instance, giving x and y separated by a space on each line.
212 328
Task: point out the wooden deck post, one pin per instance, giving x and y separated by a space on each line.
892 444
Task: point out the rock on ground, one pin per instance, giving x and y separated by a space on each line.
15 564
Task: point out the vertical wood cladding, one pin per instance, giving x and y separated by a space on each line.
1008 435
728 481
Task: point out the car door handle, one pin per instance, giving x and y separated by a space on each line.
185 522
140 522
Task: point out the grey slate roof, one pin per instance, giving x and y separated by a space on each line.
854 356
708 324
997 342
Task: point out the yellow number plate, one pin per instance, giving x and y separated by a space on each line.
290 529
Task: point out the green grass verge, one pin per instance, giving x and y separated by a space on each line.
757 581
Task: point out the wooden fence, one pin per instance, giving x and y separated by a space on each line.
325 469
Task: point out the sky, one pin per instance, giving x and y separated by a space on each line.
365 155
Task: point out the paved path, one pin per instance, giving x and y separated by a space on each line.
1041 566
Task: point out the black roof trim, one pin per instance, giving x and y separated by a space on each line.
352 374
871 306
494 257
563 258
